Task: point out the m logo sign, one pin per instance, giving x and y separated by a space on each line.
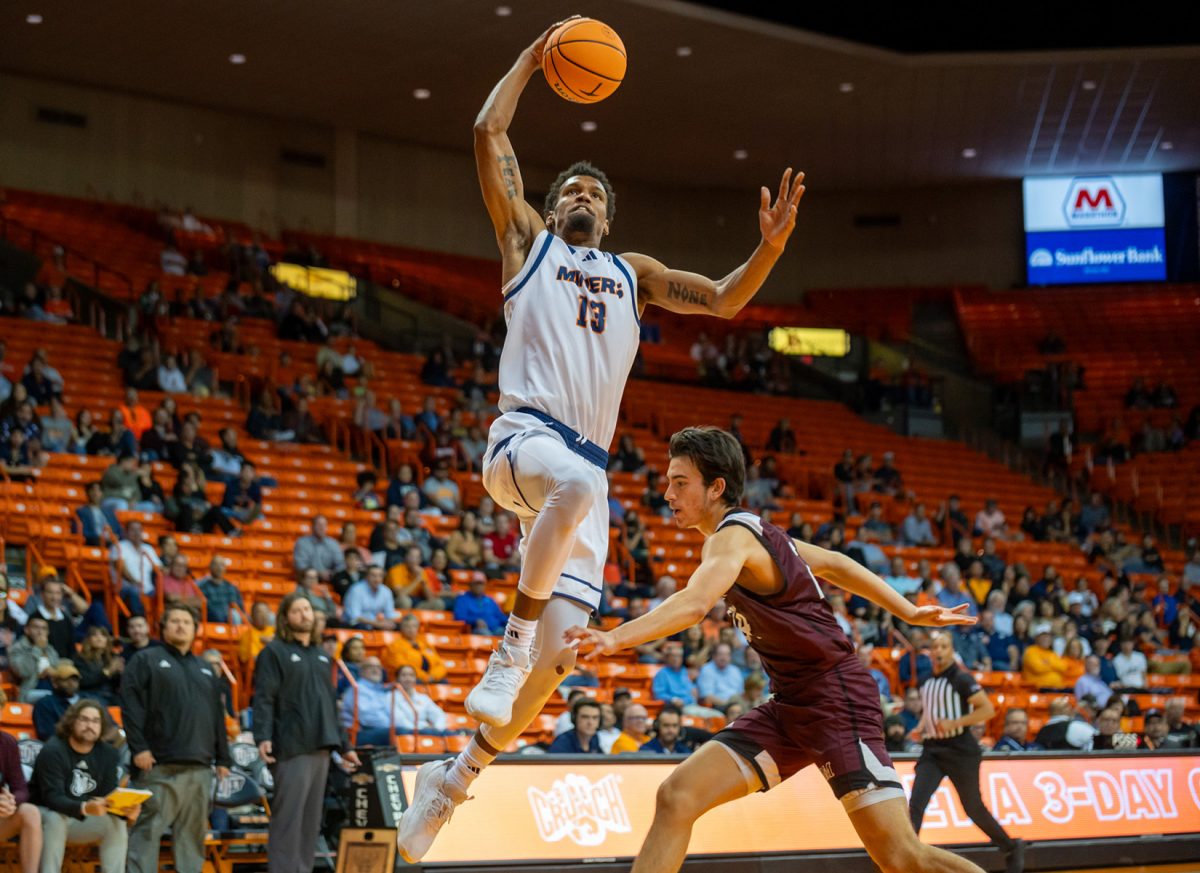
1094 201
578 808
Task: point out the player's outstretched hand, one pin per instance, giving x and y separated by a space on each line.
585 638
777 220
940 616
539 44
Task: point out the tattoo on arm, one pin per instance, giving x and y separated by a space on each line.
684 294
508 169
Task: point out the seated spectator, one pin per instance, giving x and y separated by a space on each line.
355 571
478 611
441 490
220 594
754 694
226 460
1154 732
259 632
380 708
308 583
365 496
263 421
64 691
875 528
895 736
989 521
415 711
464 548
99 666
719 681
172 260
952 521
633 736
135 416
413 584
31 658
137 566
887 477
156 442
916 530
436 370
1063 731
299 424
952 594
1148 559
1073 658
782 438
653 498
1040 666
1130 665
319 551
137 632
20 459
668 734
194 512
1094 516
900 579
758 493
120 485
500 550
912 710
1180 734
673 683
629 458
1016 733
1091 683
348 539
881 680
243 496
38 383
411 649
369 604
95 518
56 427
583 737
170 378
1001 648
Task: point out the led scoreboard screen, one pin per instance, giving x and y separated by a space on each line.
1081 229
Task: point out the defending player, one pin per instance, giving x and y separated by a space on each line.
826 706
573 314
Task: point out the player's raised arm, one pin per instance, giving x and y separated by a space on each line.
724 555
515 221
691 293
857 579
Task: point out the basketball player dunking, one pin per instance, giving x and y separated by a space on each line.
826 706
573 314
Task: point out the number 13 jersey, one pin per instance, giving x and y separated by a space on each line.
573 332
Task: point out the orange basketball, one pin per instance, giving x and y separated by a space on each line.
584 61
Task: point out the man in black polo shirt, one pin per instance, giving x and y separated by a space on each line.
953 702
175 723
296 728
73 774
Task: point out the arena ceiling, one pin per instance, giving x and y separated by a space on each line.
711 99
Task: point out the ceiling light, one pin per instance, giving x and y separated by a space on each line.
1088 85
33 18
237 59
588 126
846 87
683 51
1166 146
740 154
504 11
422 93
969 153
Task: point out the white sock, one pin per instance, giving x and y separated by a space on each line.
467 767
519 633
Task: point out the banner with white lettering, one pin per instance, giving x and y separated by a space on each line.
531 812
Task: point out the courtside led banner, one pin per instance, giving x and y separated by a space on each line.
585 810
1094 229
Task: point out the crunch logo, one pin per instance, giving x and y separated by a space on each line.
578 808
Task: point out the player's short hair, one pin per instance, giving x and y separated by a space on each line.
716 454
582 168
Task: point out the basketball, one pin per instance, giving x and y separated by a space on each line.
584 61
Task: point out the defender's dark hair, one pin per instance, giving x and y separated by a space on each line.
582 168
717 455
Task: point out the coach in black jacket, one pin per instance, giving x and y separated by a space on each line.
296 727
175 724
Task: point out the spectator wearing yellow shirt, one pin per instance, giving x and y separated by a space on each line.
978 583
633 730
409 649
260 631
413 583
1040 666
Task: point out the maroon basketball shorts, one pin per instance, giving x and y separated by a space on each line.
839 728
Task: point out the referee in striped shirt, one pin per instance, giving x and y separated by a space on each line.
953 702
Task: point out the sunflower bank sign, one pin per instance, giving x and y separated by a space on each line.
1094 229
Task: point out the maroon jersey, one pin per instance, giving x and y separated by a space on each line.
794 631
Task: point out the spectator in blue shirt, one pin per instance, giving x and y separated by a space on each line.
478 611
952 593
672 684
913 707
220 594
1001 648
916 530
581 739
668 734
881 680
719 680
243 496
1016 733
94 517
369 604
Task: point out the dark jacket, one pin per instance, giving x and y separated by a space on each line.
294 703
86 521
63 779
46 713
171 704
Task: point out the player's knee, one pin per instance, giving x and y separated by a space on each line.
675 801
29 816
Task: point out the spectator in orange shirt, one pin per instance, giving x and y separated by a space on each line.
137 417
414 584
260 632
1073 657
53 271
58 306
410 649
1040 666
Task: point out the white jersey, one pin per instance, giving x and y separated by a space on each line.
573 332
